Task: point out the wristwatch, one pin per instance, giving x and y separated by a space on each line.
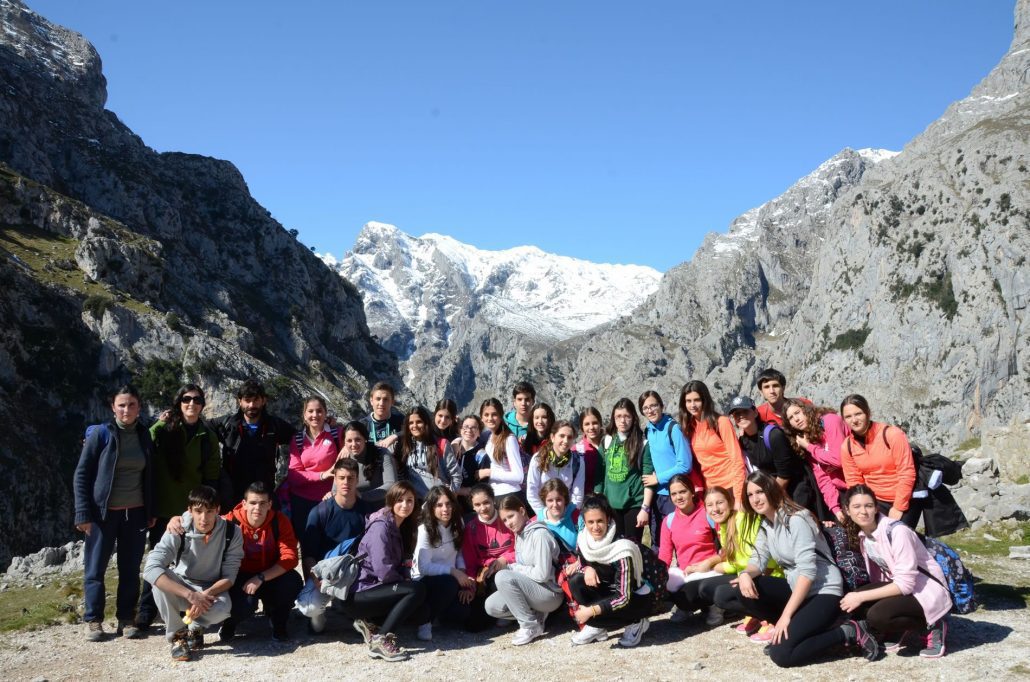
261 577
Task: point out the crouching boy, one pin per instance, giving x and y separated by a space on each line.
192 573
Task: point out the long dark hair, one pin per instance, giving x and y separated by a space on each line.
535 440
449 406
546 455
708 412
634 444
499 438
600 503
369 458
172 444
430 522
409 526
850 527
407 441
777 499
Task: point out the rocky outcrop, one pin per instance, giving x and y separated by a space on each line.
118 261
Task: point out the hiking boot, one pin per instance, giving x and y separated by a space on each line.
195 638
95 631
715 616
935 640
892 645
632 634
227 631
385 647
366 630
128 629
589 634
527 634
181 646
857 632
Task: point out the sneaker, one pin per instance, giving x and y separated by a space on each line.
527 634
892 646
385 647
195 638
227 631
128 629
749 627
633 633
935 640
865 640
589 634
95 631
679 615
425 632
763 635
366 630
715 616
181 646
316 624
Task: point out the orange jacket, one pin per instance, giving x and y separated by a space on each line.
260 550
884 463
719 455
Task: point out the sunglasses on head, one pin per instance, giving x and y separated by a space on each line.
187 399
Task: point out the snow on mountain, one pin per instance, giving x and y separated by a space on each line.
413 284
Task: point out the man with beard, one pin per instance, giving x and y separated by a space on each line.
250 442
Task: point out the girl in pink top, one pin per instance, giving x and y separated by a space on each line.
907 595
313 453
690 534
816 434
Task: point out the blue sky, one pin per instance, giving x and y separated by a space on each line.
612 131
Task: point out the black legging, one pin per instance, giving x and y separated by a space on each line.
640 606
811 628
626 524
393 603
909 517
697 594
277 595
891 615
442 599
147 611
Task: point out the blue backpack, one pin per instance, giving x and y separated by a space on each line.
958 579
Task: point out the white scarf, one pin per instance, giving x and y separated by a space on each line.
608 550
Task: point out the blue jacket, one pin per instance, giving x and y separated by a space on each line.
94 473
670 451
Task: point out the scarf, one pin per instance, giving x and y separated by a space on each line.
608 550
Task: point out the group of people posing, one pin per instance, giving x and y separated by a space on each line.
507 516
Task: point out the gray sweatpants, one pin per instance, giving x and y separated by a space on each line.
172 606
522 599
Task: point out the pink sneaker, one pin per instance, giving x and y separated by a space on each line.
749 626
764 634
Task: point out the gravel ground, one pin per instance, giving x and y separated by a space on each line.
991 643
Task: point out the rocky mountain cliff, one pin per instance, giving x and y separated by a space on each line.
444 306
904 280
117 262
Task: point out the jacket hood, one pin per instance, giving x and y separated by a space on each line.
239 514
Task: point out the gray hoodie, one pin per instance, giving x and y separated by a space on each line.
798 546
536 555
202 563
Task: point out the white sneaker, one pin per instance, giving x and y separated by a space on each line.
425 632
679 615
525 635
317 622
715 616
589 634
633 633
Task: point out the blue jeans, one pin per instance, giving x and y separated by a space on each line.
129 528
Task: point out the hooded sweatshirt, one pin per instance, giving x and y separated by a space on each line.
485 542
260 549
383 548
536 555
670 451
205 559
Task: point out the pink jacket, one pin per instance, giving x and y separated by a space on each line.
906 559
825 460
309 460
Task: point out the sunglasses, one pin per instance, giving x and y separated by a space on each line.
187 399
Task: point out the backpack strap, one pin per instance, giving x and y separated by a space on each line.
668 521
576 461
766 433
298 441
230 534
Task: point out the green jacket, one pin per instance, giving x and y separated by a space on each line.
202 464
620 483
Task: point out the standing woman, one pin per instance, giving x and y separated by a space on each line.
377 469
689 534
419 459
526 589
806 603
313 453
624 460
712 438
610 584
555 460
113 503
468 450
186 455
541 419
907 594
438 561
816 433
384 589
507 475
670 455
879 456
590 447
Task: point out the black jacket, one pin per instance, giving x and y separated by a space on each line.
248 457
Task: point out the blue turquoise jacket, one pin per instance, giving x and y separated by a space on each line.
670 451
